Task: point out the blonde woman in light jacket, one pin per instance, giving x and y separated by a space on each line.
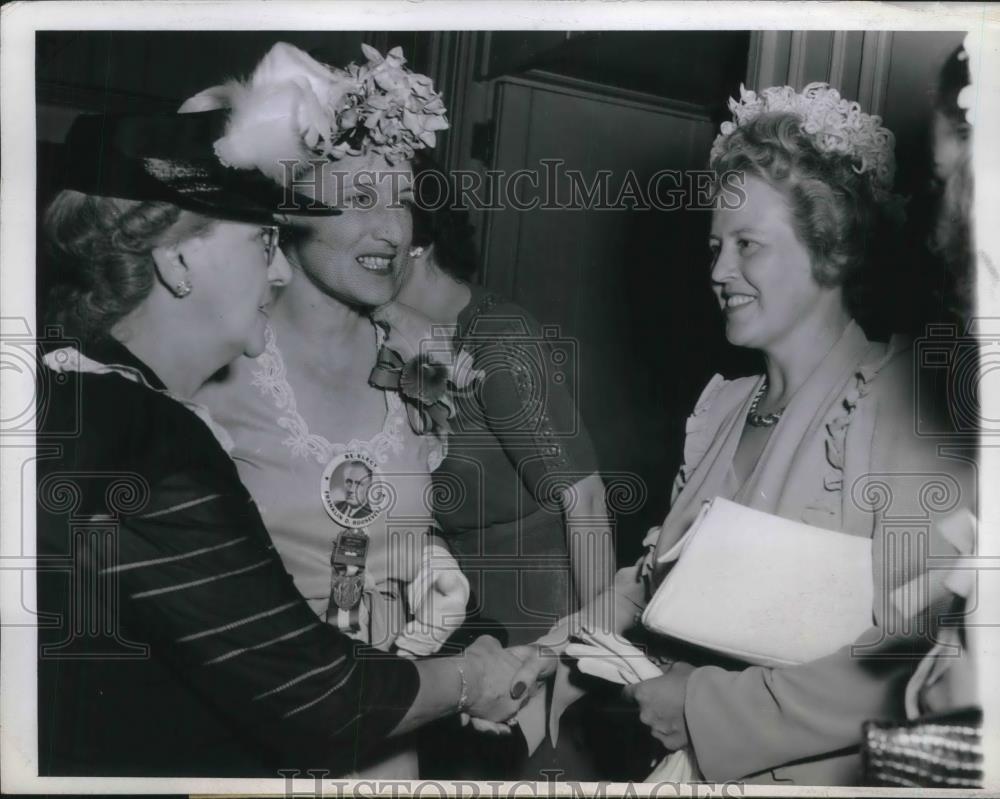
827 436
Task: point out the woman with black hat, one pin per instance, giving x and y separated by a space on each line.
174 643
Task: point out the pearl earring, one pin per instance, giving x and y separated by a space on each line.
416 252
182 289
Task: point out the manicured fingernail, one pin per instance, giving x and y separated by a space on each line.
518 690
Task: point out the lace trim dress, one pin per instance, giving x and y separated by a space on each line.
283 459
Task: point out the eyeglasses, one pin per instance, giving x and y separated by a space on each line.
269 234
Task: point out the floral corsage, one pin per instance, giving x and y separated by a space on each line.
418 360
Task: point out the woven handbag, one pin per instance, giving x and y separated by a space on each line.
936 751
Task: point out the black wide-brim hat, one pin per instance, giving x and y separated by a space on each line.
171 158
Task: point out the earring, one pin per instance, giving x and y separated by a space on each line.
416 252
182 289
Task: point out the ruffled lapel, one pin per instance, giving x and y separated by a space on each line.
716 446
784 480
785 476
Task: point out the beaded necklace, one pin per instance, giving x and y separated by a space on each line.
755 419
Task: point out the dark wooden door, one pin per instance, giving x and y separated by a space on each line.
627 285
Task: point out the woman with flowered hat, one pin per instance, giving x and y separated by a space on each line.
305 407
815 438
172 641
312 403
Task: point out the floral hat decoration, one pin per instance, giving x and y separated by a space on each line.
294 107
834 124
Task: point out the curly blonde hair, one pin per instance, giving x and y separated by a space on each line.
101 250
834 210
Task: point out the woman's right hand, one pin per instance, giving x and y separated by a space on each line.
538 663
490 670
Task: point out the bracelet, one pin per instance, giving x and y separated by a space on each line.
463 699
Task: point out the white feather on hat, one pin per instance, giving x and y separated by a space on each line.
281 113
293 108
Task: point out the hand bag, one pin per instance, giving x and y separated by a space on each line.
939 751
764 589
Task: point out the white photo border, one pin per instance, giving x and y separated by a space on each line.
20 21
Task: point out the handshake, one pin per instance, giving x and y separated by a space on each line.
498 682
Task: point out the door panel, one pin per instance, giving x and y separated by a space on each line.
628 285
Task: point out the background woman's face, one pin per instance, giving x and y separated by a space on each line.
761 272
951 143
360 255
232 284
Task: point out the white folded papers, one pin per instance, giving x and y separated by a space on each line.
764 589
616 660
612 659
601 655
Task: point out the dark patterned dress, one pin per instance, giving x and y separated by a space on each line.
172 641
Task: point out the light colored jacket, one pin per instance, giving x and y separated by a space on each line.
846 456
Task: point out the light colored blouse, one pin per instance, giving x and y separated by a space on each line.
282 456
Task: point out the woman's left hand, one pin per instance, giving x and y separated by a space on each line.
438 596
661 705
415 337
418 360
410 332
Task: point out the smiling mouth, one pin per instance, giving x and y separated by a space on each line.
379 264
733 302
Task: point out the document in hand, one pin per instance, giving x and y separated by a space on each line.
767 590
